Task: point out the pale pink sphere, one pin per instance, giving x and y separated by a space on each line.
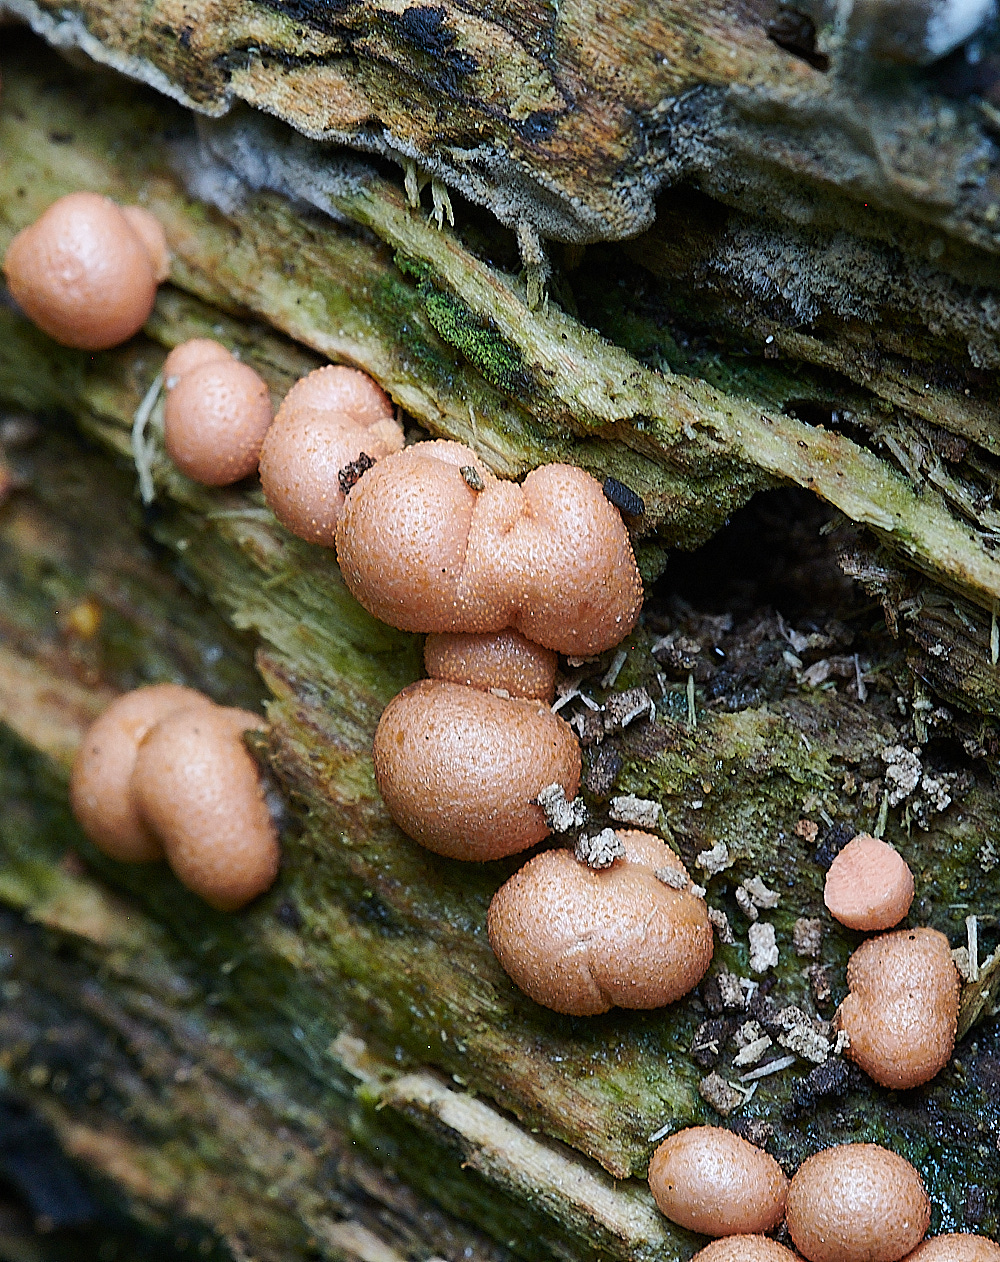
869 885
325 423
582 941
83 273
857 1203
201 793
100 787
955 1248
745 1249
191 354
707 1179
214 421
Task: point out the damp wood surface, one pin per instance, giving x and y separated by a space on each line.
343 1069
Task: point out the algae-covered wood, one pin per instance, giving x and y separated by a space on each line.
343 1068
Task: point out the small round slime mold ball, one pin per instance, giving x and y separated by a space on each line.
745 1249
955 1248
85 272
857 1203
460 770
324 425
100 788
868 885
901 1014
581 941
707 1179
494 659
216 415
189 355
201 793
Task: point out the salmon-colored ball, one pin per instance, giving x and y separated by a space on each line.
956 1248
326 421
857 1203
494 659
582 941
426 546
191 354
707 1179
83 273
745 1249
868 885
214 421
402 540
201 793
150 232
100 789
460 769
901 1014
346 391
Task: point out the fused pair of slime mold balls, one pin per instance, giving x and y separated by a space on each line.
218 428
164 773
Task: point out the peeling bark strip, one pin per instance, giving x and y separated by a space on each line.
577 122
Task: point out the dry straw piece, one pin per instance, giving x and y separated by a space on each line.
901 1014
582 941
497 659
460 770
424 550
857 1203
86 271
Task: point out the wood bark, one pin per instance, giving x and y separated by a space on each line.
343 1069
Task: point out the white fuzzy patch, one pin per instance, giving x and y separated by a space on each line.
952 22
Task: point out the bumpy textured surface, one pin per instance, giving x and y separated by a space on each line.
478 807
201 793
83 273
324 423
868 886
502 659
707 1179
423 550
857 1203
745 1249
902 1010
100 788
956 1248
215 420
582 941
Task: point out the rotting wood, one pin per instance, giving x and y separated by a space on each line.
365 937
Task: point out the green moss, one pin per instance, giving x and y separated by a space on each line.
500 362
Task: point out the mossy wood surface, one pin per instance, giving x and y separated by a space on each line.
343 1069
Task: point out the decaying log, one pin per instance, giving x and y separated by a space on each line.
343 1069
